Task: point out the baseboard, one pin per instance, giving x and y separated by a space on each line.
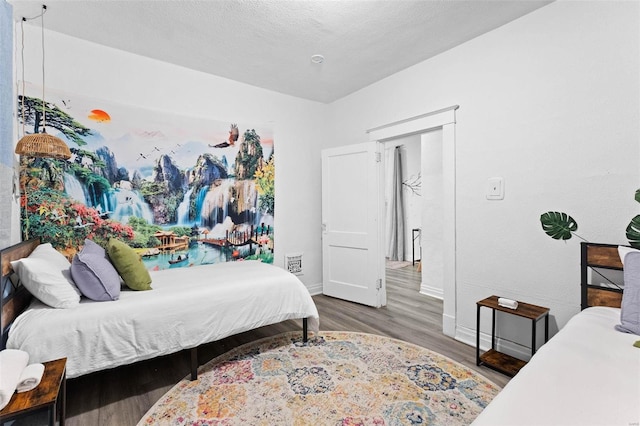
448 325
314 289
438 293
468 336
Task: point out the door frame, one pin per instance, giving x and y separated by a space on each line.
446 120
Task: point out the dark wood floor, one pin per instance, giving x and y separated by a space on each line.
123 395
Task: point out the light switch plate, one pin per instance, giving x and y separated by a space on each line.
495 188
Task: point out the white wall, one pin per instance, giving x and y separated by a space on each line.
549 102
9 232
96 71
432 211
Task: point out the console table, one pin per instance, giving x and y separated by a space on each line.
499 361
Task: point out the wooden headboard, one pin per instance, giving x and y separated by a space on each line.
602 256
14 297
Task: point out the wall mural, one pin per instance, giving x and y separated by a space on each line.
183 191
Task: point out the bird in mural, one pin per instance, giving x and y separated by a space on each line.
233 134
142 156
155 148
79 223
233 137
66 103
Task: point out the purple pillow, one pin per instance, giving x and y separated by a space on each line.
630 306
94 275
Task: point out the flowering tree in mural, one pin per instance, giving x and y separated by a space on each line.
265 178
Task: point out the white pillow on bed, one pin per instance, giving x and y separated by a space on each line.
46 274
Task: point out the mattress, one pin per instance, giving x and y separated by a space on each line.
587 374
187 307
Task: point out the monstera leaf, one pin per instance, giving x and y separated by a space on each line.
559 226
633 232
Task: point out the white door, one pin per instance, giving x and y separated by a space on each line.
352 222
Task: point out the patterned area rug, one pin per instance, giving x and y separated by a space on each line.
337 378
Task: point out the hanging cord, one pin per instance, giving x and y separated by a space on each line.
24 19
44 115
22 70
24 166
44 120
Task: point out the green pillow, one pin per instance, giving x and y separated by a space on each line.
129 265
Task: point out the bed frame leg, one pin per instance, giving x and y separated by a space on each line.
305 328
194 363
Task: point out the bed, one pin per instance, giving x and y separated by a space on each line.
186 308
588 373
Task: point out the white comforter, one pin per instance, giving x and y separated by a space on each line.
187 307
587 374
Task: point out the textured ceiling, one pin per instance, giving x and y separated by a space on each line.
269 43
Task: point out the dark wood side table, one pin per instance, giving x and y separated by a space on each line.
50 393
499 361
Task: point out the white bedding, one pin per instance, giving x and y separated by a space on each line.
587 374
187 307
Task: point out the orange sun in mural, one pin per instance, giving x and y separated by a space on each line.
99 115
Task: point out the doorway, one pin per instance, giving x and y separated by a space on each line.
437 132
419 160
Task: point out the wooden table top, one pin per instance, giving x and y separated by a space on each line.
45 394
525 310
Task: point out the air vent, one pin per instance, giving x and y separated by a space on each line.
293 263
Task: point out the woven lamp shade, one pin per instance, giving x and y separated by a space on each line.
43 145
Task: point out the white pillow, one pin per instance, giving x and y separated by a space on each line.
47 252
45 273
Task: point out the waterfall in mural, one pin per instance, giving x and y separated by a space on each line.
216 203
75 189
128 203
247 201
183 209
106 203
199 202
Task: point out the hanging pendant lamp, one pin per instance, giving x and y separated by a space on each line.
43 145
40 144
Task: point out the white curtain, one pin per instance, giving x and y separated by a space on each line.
395 249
